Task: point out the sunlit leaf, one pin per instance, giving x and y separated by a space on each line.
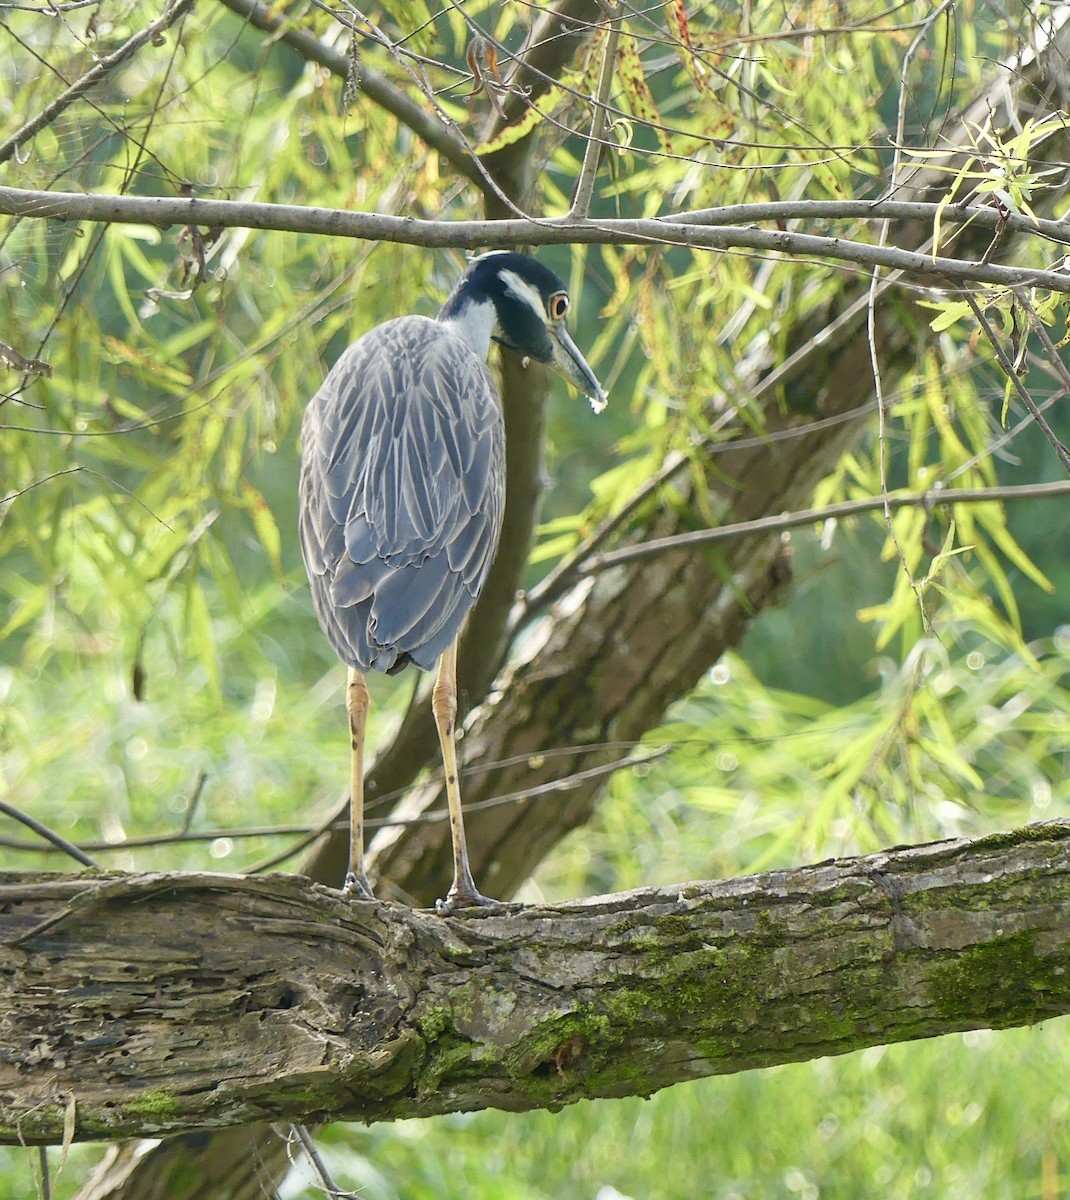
639 97
537 110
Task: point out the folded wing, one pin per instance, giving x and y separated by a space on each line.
402 492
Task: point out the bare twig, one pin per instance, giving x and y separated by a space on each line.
564 574
92 77
551 788
46 1178
195 799
326 1180
871 306
1054 358
936 498
311 832
162 211
581 203
49 835
1023 392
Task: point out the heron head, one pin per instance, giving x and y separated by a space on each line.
530 304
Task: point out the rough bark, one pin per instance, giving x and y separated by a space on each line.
156 1004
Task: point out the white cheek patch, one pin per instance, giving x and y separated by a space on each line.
526 293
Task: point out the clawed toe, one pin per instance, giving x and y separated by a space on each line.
357 887
459 898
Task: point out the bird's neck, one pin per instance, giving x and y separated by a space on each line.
472 320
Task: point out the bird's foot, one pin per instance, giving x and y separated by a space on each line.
463 897
357 887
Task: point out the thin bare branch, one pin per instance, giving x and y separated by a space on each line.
309 833
165 211
46 1177
162 211
1050 347
92 77
874 287
935 498
326 1180
1023 392
49 835
592 154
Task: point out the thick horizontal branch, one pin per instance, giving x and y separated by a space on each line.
711 229
154 1004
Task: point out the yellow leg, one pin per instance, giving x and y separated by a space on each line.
357 701
462 893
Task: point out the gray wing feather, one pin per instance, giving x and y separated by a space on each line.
402 493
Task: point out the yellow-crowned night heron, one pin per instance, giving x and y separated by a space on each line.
402 491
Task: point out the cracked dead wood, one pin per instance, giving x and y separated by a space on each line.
158 1004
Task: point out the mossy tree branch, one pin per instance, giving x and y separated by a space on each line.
154 1004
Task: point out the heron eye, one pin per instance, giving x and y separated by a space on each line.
557 306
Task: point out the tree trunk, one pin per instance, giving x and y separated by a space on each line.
621 650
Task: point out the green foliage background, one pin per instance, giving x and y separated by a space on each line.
160 665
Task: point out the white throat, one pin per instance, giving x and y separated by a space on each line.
474 325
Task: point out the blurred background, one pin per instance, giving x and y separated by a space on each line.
167 700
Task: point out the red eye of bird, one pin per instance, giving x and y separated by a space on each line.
557 306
